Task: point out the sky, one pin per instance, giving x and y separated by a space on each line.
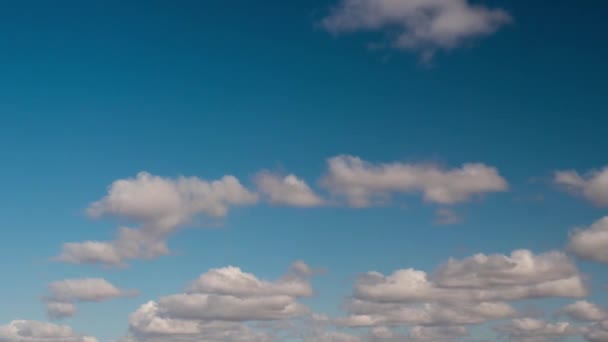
325 170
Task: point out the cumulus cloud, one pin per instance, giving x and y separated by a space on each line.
34 331
593 185
425 26
437 334
160 206
473 290
591 243
585 312
363 183
286 190
221 304
598 332
63 294
529 329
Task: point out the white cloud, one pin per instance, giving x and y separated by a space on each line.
363 184
220 304
34 331
593 186
522 267
529 329
425 26
60 310
591 243
437 334
64 293
286 190
160 206
461 292
598 332
585 311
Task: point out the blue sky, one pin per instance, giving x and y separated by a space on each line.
96 92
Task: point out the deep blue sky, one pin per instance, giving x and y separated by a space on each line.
91 92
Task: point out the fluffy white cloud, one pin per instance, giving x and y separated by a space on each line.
362 183
598 332
419 25
522 267
584 311
64 293
437 334
220 304
593 186
160 206
148 324
591 243
529 329
59 310
34 331
461 292
286 190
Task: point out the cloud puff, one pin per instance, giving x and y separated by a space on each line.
598 332
461 292
593 186
591 243
437 334
529 329
286 190
34 331
222 302
363 184
585 312
425 26
160 206
64 293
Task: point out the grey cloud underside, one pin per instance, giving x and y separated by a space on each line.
160 206
223 301
473 290
64 294
34 331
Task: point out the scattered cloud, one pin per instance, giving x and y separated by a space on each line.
593 186
597 332
64 293
533 330
585 312
286 190
160 206
222 303
591 243
461 292
363 183
437 334
423 26
34 331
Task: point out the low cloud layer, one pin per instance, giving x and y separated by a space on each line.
221 304
34 331
462 292
422 26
